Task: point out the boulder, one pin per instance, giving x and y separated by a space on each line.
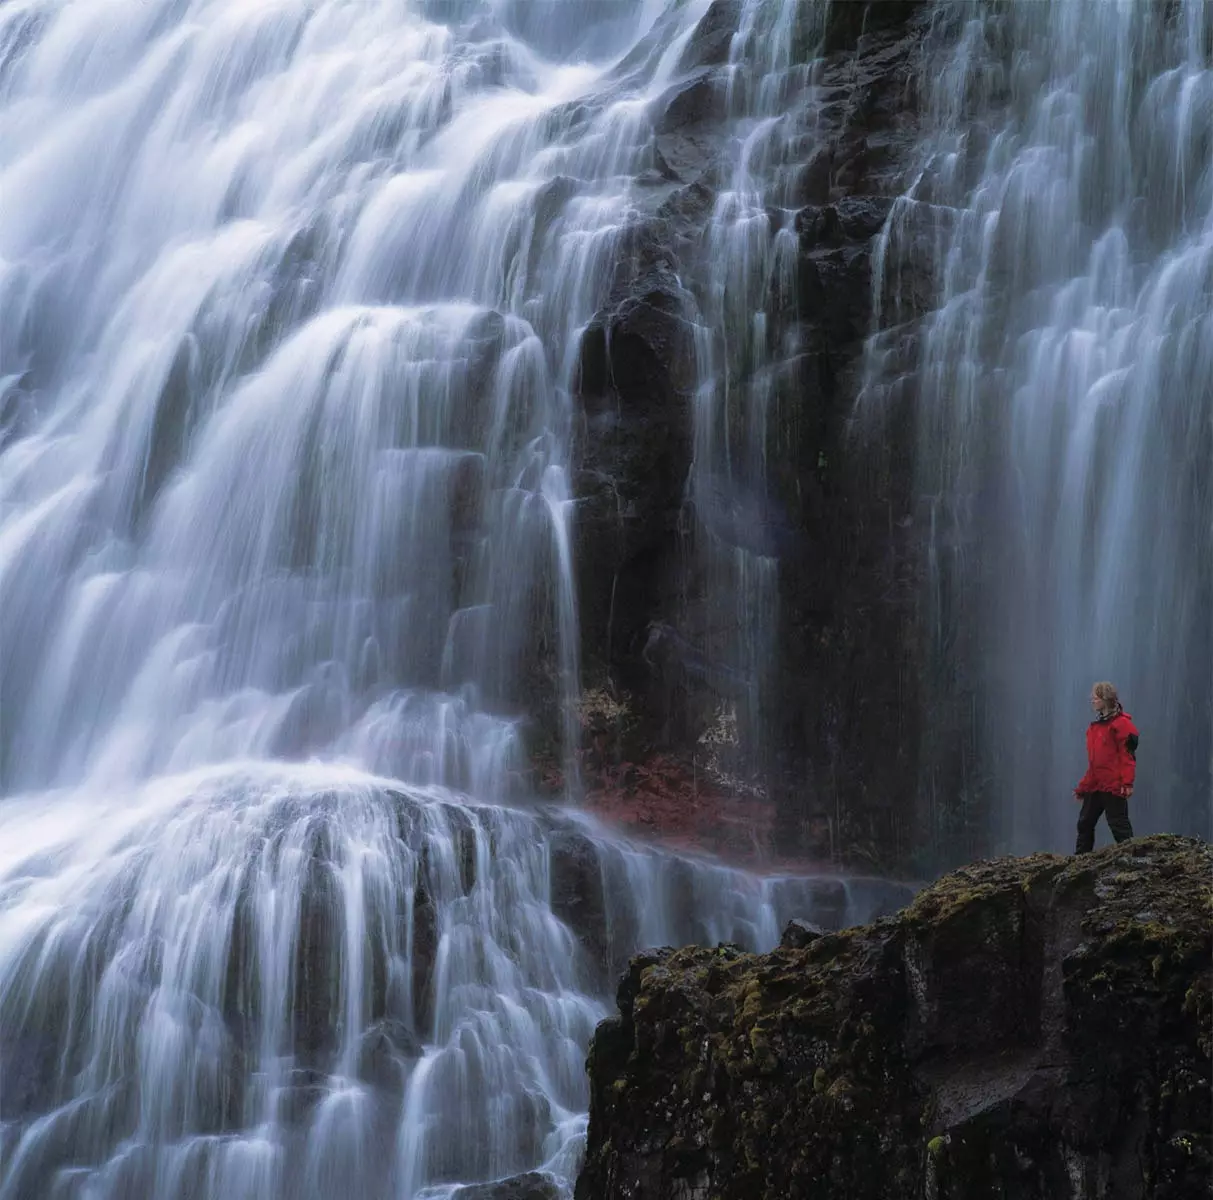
531 1186
710 43
384 1053
798 934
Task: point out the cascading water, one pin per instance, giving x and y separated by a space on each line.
751 253
290 296
265 981
1064 208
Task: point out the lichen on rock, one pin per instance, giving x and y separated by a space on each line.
1032 1028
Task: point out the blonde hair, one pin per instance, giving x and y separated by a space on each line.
1107 693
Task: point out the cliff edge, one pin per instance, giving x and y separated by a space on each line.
1032 1029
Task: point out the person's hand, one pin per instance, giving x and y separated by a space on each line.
1127 790
1078 797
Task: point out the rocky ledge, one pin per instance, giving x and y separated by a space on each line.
1032 1029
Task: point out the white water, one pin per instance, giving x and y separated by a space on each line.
289 302
1063 216
749 288
266 981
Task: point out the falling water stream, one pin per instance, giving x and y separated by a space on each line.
290 302
1061 221
290 295
751 253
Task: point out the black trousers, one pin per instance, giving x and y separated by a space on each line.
1095 805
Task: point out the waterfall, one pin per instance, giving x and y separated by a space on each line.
747 338
271 981
290 302
1061 220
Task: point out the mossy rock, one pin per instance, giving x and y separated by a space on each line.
1023 1024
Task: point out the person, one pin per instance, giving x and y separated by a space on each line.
1111 769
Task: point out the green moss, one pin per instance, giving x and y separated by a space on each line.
793 1073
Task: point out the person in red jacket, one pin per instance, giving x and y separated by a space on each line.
1111 769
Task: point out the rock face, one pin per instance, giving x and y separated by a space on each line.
531 1186
1034 1029
800 934
841 733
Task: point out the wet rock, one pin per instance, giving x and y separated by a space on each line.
814 178
316 1001
688 133
850 219
636 381
531 1186
658 797
695 101
463 829
425 951
467 494
303 1090
1022 1025
384 1053
710 43
28 1068
831 509
578 898
683 214
798 934
847 23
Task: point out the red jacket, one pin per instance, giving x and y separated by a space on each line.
1111 756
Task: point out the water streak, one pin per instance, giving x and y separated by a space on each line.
748 297
1061 219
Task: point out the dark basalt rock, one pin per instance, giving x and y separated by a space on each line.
578 898
798 934
531 1186
835 510
386 1049
28 1067
847 23
636 380
1027 1028
317 949
713 36
425 951
695 101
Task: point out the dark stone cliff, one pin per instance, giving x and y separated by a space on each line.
838 772
1029 1029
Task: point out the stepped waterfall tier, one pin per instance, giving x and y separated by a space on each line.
425 424
263 981
292 303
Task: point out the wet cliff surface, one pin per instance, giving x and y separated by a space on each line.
849 349
826 767
1033 1028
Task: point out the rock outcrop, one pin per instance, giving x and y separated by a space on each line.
1034 1029
531 1186
841 732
